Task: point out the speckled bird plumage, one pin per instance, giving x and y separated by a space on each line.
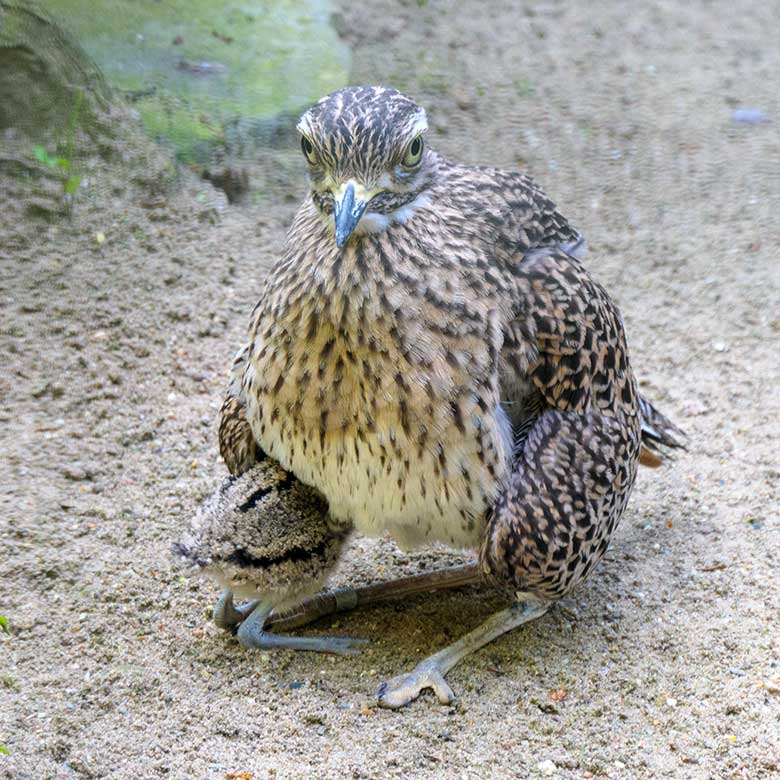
265 535
452 373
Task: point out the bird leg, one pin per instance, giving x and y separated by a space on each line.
429 673
348 598
251 631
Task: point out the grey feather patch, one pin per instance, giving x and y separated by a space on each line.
264 535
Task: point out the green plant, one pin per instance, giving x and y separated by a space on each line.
63 160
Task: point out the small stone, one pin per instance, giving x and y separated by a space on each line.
547 707
547 767
671 702
749 116
463 100
694 407
75 473
40 389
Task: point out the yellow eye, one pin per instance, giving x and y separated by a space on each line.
414 153
308 150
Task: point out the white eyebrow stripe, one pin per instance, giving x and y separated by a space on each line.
420 124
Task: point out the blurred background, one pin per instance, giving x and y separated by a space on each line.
149 167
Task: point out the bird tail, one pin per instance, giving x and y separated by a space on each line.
659 435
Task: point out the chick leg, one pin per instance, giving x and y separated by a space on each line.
251 633
430 673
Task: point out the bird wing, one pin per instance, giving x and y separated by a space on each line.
237 444
515 214
581 356
565 347
567 342
554 228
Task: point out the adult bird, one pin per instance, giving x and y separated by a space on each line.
431 355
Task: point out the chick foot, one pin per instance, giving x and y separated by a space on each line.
252 634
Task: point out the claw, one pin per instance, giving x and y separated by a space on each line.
405 688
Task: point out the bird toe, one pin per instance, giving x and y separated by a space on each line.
405 688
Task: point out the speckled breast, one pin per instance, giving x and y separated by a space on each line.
357 385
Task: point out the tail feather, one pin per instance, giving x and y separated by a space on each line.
659 433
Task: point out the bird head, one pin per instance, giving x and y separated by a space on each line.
368 163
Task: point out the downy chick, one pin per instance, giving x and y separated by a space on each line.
267 537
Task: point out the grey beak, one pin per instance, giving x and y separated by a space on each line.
347 214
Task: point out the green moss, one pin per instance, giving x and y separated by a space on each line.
191 66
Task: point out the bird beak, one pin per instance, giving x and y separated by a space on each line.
351 200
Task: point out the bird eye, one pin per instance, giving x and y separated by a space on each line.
414 153
308 150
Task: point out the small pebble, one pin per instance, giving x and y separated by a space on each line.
749 116
737 672
463 100
74 473
547 767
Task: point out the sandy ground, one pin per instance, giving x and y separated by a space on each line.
666 663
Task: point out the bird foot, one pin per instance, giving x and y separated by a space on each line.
429 673
227 615
405 688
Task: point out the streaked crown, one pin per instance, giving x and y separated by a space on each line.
362 132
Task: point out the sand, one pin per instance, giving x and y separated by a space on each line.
666 664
